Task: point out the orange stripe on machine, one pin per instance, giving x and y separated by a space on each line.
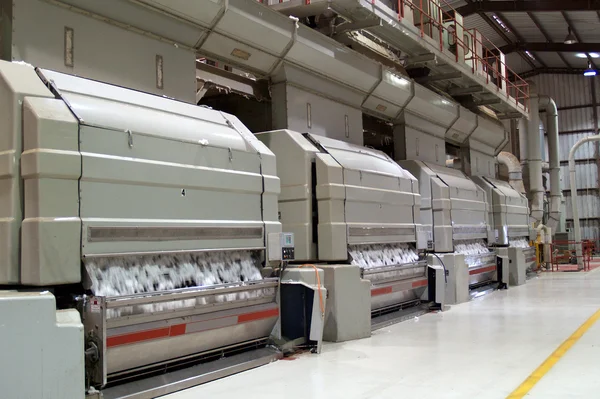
398 287
189 328
482 270
381 291
420 283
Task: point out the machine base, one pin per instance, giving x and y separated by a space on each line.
484 289
186 378
398 315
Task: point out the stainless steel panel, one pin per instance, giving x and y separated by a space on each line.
482 277
385 274
129 357
396 298
132 333
395 285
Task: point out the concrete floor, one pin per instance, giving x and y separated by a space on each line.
482 349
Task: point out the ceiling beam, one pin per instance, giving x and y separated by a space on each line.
524 6
556 71
552 47
547 36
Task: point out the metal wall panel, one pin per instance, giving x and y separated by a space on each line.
590 230
586 175
575 120
587 203
566 141
566 90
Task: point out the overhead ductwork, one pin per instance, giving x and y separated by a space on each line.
548 103
515 171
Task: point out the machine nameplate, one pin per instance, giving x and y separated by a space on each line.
380 231
105 234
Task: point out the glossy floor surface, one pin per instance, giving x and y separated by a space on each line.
482 349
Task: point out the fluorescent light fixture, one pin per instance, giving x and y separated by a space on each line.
594 55
529 55
585 55
501 23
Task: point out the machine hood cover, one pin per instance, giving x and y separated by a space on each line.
354 157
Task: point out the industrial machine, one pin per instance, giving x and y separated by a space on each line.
156 219
454 214
509 217
355 212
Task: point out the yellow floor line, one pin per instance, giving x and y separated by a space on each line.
543 369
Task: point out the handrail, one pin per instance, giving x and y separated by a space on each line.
436 14
490 59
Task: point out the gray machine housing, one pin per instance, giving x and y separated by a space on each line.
336 195
509 217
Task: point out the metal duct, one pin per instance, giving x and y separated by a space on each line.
553 152
515 171
534 160
573 183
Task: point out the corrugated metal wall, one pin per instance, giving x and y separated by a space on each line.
573 96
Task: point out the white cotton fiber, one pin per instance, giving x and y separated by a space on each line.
113 277
471 247
518 243
378 255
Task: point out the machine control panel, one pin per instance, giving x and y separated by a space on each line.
281 246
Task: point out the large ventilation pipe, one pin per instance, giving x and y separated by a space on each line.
534 159
573 183
554 161
515 171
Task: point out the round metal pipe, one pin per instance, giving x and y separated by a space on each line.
515 170
573 183
554 160
534 161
